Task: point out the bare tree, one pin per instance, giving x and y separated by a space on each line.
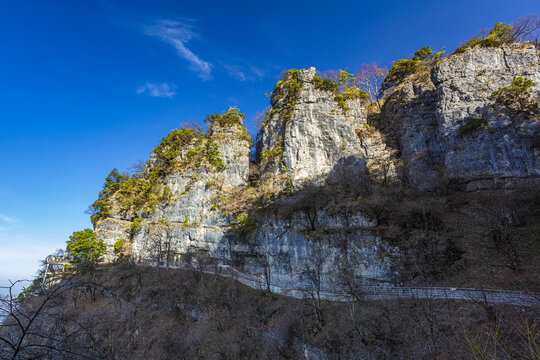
526 28
313 276
330 74
260 118
306 204
35 325
349 178
266 262
370 78
160 244
503 219
349 282
519 339
139 170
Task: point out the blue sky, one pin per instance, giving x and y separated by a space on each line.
87 86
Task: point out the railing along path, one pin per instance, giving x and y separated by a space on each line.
381 292
368 292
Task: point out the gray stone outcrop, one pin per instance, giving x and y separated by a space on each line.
423 117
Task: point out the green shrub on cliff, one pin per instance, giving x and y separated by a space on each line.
517 96
355 93
85 246
184 148
499 35
472 125
524 30
289 87
100 209
185 224
424 53
132 194
179 150
326 84
118 246
272 153
341 102
112 183
344 88
422 60
213 154
243 227
171 147
135 227
398 72
231 118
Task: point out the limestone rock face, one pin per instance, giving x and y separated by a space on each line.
192 228
423 117
311 133
409 122
309 136
190 223
316 134
289 252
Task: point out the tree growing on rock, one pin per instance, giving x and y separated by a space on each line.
160 244
85 246
525 29
370 78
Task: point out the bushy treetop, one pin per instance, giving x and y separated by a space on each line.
232 117
85 246
423 58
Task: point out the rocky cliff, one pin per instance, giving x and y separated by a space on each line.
189 223
311 128
427 114
441 125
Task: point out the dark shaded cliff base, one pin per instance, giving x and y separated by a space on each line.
484 239
128 311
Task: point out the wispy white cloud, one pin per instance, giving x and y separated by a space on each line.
7 222
178 35
244 73
8 219
157 90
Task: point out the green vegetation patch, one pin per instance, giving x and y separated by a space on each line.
133 194
101 209
186 224
517 96
344 89
118 246
291 87
182 149
272 153
422 59
472 125
499 35
401 69
326 84
178 151
355 93
423 53
233 117
85 246
243 227
135 227
170 149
